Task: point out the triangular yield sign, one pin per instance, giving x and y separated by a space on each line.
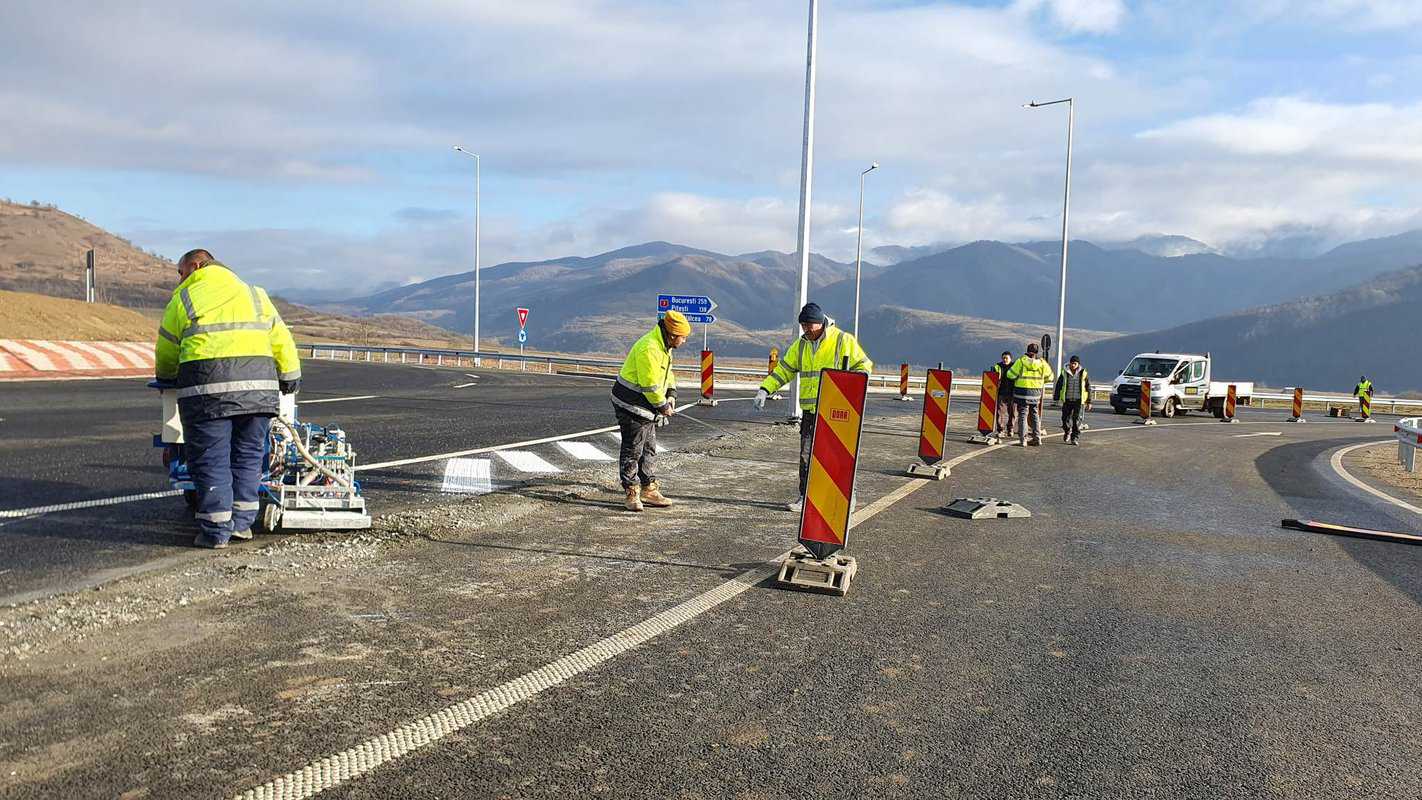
522 317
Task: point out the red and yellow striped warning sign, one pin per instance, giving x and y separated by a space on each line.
773 361
1145 400
834 453
987 404
1298 403
1365 404
934 430
903 381
1229 402
708 373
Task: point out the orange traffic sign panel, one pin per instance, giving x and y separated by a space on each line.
834 455
934 429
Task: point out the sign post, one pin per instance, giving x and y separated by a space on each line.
933 431
987 410
1298 405
829 490
522 336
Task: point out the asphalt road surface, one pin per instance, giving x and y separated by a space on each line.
1150 631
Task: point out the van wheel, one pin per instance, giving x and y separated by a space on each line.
1168 410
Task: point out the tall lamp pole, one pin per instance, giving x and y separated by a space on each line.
807 167
477 169
859 245
1066 210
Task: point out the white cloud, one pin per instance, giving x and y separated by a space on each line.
1079 16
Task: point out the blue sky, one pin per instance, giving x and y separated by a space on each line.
311 143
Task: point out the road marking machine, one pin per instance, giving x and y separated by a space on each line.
308 480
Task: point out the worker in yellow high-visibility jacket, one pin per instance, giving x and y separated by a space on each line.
644 398
224 346
822 345
1029 374
1364 392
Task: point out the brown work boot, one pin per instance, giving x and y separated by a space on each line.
634 498
652 496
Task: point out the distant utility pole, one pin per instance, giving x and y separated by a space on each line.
1066 210
807 168
477 168
89 277
859 245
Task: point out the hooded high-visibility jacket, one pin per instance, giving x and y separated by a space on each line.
807 358
1028 375
1082 385
224 345
646 382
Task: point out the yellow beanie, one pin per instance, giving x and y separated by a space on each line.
677 324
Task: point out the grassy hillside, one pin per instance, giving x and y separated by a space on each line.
35 316
42 251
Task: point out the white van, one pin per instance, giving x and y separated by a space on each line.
1179 382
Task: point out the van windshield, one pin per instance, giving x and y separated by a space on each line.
1145 367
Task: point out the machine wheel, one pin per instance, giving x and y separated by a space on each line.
190 497
270 517
1168 410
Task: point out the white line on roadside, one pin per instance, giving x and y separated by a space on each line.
467 385
527 461
468 476
339 399
78 504
585 451
1248 435
1336 461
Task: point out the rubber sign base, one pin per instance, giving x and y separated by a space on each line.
1145 421
932 472
831 575
1230 420
985 508
981 438
1297 419
708 402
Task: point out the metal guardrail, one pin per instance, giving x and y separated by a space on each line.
966 387
1409 440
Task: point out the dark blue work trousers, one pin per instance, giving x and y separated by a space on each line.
225 461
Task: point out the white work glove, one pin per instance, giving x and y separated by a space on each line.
761 396
662 421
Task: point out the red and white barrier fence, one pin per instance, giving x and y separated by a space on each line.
39 358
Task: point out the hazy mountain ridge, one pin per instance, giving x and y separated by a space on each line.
1324 342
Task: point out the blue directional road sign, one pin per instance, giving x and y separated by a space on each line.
701 319
685 303
522 337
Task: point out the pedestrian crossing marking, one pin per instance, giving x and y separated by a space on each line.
468 476
526 461
584 451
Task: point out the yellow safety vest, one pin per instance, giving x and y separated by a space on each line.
806 359
1029 374
224 345
646 382
1084 385
1364 388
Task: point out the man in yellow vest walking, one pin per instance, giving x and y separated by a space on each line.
1073 391
644 399
1364 392
225 347
822 345
1029 374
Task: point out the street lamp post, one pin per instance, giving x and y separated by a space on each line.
1066 210
477 169
807 167
859 245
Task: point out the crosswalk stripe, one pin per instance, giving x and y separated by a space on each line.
584 451
468 476
526 461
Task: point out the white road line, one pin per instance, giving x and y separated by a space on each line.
1248 435
78 504
526 461
339 399
585 451
468 476
1336 461
467 385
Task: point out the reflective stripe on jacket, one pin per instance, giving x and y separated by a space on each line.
1081 381
1364 388
806 359
1029 375
224 344
646 382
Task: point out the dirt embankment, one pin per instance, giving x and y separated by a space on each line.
35 316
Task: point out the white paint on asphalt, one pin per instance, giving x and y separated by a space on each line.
1248 435
340 399
467 385
527 461
1336 461
16 513
584 451
468 476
